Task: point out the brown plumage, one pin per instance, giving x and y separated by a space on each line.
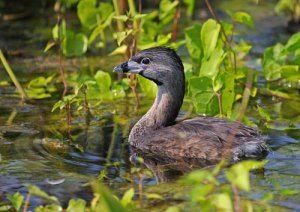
206 139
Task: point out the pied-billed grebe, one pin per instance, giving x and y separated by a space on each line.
201 138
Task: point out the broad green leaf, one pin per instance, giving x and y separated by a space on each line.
210 65
127 197
105 11
76 205
272 62
37 82
36 191
209 36
16 200
293 43
87 13
200 192
203 95
74 44
148 87
243 18
222 202
193 42
118 92
103 79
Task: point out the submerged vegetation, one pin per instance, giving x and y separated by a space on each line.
220 82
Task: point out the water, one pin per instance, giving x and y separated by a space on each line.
39 147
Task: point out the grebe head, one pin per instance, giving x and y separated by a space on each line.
159 64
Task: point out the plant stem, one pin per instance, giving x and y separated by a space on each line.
25 209
12 76
175 24
120 24
62 73
246 95
219 95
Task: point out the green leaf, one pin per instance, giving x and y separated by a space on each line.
209 36
244 18
123 35
49 208
145 42
74 44
238 174
119 50
267 197
16 200
273 59
210 65
193 42
222 202
289 192
59 31
167 10
87 13
198 177
199 193
148 87
154 196
203 95
127 197
190 7
60 104
103 80
228 93
76 205
108 202
36 191
290 72
139 16
5 208
121 17
49 45
293 43
263 113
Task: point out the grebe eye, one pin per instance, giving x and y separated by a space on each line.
145 61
